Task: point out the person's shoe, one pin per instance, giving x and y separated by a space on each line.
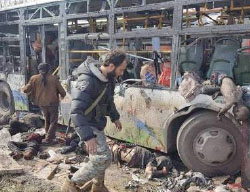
49 142
69 186
98 186
16 155
87 186
28 155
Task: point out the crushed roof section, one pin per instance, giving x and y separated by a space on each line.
13 4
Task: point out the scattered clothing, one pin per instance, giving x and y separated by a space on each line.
71 143
190 86
34 121
217 78
183 181
140 158
159 167
43 155
17 127
29 149
72 146
34 137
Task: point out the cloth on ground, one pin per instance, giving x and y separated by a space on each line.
141 158
71 143
183 181
29 149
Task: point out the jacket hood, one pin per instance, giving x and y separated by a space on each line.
91 67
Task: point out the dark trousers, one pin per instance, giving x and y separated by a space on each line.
50 114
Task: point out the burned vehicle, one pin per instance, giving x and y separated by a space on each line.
165 119
172 96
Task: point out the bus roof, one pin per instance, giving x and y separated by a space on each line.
13 4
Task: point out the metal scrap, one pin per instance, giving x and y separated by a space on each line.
183 182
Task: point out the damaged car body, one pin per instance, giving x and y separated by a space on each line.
205 37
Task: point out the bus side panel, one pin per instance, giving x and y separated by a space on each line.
143 114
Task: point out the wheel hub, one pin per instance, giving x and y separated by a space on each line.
214 146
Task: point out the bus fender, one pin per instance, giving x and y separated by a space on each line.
174 122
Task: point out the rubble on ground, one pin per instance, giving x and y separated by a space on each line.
5 136
8 165
186 180
142 168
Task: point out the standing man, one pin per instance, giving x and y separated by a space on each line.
44 90
92 100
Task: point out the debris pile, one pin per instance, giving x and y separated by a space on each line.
146 169
186 180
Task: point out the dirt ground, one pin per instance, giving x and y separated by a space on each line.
35 172
32 179
116 180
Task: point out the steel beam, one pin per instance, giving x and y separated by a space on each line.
86 15
115 3
43 21
220 29
176 40
75 1
36 11
110 3
177 18
174 60
62 34
157 6
42 28
88 3
22 43
88 36
9 23
49 12
145 33
10 38
111 22
190 2
4 54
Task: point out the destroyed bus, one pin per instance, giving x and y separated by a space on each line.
204 39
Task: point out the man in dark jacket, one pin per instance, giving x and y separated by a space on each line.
44 90
93 80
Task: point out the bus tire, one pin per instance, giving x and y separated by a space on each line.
7 107
210 146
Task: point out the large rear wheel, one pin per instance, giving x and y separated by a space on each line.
208 145
7 107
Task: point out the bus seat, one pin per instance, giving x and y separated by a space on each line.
242 67
191 58
224 56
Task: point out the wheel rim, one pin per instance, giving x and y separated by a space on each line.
214 146
4 102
